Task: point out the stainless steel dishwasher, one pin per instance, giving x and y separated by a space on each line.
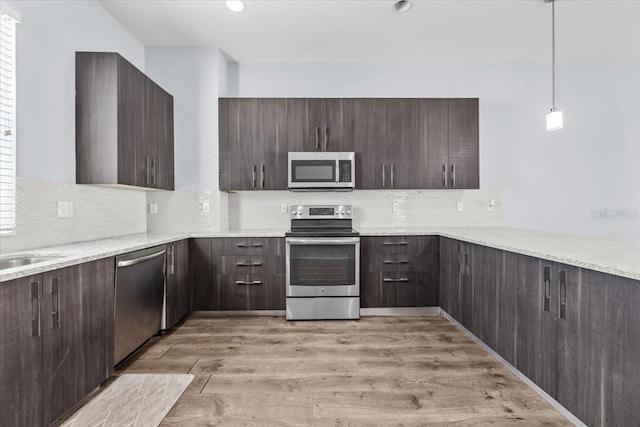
139 299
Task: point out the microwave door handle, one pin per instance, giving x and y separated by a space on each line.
337 171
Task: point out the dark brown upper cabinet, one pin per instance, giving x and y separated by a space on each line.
124 125
320 124
463 144
416 143
408 143
253 144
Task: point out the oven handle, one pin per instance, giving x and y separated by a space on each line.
323 241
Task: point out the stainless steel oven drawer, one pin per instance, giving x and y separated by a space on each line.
323 308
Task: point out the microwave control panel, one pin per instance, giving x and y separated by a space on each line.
344 170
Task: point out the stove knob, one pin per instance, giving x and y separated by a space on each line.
348 212
342 212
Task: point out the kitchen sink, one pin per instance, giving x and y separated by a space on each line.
19 261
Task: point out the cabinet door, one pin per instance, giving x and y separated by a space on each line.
154 118
337 125
513 272
165 167
246 151
21 354
203 296
625 358
491 278
133 158
268 295
434 140
257 144
463 143
370 139
581 340
404 150
75 340
178 291
537 299
272 130
304 124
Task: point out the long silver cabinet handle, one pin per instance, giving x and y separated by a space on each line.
403 261
244 245
401 279
172 253
453 175
255 282
248 264
326 138
55 303
35 309
254 176
444 175
562 278
153 170
384 184
546 302
317 138
147 170
262 175
395 243
392 175
135 261
322 241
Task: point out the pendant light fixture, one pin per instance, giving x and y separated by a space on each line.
554 117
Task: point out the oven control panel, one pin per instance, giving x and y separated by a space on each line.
322 212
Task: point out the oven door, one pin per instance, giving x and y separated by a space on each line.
323 266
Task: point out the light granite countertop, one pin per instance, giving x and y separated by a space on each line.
604 255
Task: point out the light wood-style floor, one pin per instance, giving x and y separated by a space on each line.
387 371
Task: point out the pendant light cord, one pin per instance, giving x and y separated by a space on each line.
553 54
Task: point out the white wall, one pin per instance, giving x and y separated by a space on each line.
49 34
192 76
549 180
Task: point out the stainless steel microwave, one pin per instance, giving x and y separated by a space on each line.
322 171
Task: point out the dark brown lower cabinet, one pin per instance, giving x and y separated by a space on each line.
177 274
573 331
399 271
201 274
57 340
21 352
231 274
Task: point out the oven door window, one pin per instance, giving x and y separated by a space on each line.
313 171
322 265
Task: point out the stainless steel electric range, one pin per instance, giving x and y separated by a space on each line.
322 264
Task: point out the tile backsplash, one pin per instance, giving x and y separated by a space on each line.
98 213
372 208
183 211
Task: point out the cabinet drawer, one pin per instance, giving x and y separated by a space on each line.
249 246
250 292
248 264
399 289
399 244
400 262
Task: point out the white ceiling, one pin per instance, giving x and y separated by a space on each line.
368 30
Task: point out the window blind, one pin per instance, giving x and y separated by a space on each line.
7 124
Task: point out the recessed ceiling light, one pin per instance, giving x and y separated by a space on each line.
401 6
235 5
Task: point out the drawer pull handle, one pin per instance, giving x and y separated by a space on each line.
242 282
547 289
563 294
395 243
401 279
35 309
55 303
402 261
248 264
244 245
